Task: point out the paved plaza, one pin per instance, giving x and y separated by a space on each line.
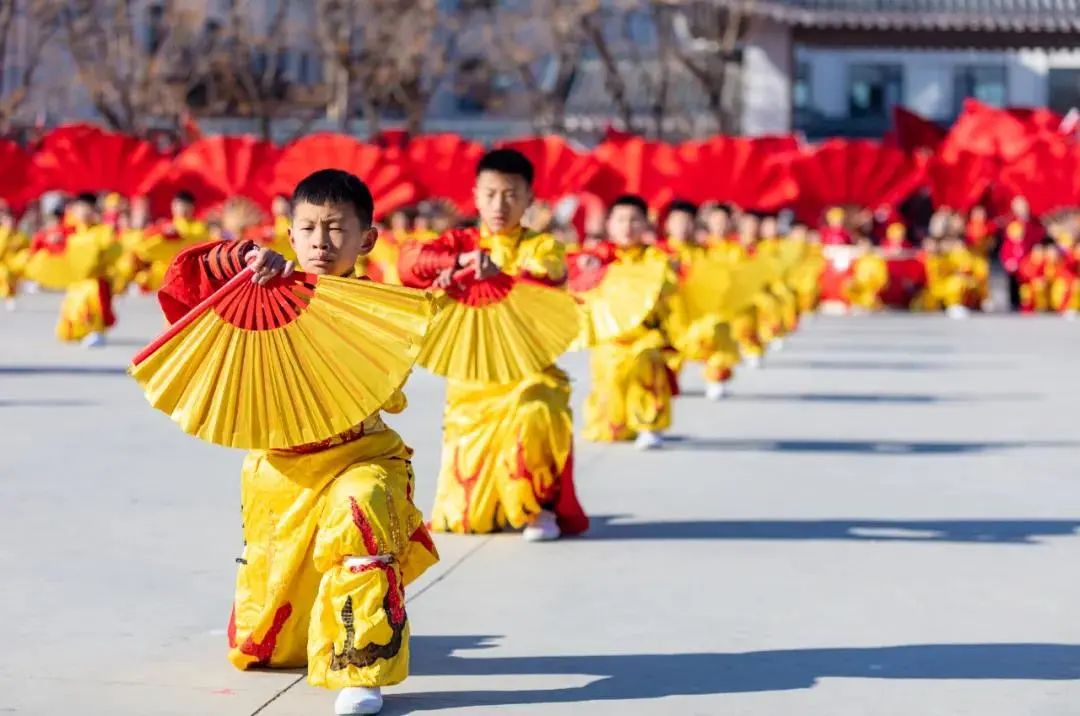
882 522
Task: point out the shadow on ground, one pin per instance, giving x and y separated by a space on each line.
890 448
652 676
62 370
873 399
892 365
618 527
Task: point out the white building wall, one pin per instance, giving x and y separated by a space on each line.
768 70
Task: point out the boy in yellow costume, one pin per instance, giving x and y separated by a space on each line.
631 388
869 275
169 237
330 530
13 255
507 457
707 338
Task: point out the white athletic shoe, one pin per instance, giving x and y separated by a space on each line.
1070 315
958 312
777 345
358 701
648 440
543 528
716 391
94 340
752 361
9 305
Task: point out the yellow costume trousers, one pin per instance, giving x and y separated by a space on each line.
1064 294
710 341
744 329
86 309
299 601
770 326
506 449
631 389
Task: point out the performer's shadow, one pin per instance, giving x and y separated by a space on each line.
653 676
996 531
870 398
893 365
889 448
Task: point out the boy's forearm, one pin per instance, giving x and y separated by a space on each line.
420 264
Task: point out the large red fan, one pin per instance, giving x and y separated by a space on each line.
860 173
218 168
960 184
636 166
913 131
384 172
78 159
1048 175
445 167
18 182
559 168
751 174
988 131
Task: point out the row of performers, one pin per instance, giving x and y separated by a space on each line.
508 445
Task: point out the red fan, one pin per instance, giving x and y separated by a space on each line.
987 131
751 174
1048 175
777 142
636 166
18 182
383 171
445 167
913 131
78 158
859 173
218 168
560 169
961 183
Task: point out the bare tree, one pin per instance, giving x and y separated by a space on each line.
544 41
26 27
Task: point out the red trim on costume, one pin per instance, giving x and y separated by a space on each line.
366 533
569 514
263 650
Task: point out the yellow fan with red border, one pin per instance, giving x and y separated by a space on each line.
617 298
499 330
80 256
294 362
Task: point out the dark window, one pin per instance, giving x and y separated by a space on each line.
985 83
1064 88
873 90
802 96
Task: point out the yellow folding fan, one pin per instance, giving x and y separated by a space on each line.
617 298
294 362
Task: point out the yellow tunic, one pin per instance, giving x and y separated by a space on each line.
631 387
306 512
507 448
869 276
13 255
87 304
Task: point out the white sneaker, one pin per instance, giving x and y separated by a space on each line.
752 361
777 345
543 528
716 391
358 701
31 287
94 340
648 440
958 312
9 305
1070 315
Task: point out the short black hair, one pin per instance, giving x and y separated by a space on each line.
85 197
630 200
185 196
336 186
507 161
682 205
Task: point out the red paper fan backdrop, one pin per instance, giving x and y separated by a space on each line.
18 182
636 166
218 168
382 170
1048 175
961 183
913 131
445 167
745 172
79 158
559 168
861 173
990 132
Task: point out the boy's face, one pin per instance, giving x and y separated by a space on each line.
81 212
182 209
328 238
718 223
501 200
680 226
626 225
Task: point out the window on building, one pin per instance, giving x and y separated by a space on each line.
986 83
1064 89
801 94
874 90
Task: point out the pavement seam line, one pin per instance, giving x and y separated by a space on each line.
441 577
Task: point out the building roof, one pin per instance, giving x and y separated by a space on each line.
965 15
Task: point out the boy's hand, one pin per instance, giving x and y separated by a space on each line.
480 262
444 279
267 264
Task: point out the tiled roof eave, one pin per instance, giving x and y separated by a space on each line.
945 21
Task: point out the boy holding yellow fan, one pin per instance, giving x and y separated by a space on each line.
508 434
330 530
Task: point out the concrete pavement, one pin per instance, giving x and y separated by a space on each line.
883 521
